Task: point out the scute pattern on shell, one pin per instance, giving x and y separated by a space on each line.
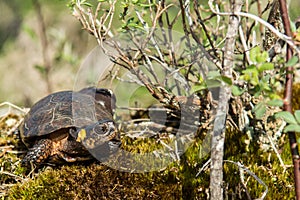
62 110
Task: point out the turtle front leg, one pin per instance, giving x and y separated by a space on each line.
38 153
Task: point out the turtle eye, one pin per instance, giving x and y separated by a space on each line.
101 128
104 127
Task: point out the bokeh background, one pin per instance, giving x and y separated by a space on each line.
23 79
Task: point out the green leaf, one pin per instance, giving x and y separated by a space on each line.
297 116
227 80
86 4
250 69
286 116
213 74
260 110
250 75
262 57
292 128
254 80
274 96
253 53
275 102
293 61
146 5
236 91
197 88
266 66
265 86
213 83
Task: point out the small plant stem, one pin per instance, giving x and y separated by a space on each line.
288 97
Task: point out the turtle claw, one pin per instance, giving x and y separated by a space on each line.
38 153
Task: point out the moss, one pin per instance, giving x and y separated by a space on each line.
265 165
95 181
177 181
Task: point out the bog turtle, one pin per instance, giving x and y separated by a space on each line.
65 126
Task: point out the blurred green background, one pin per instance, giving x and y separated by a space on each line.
22 80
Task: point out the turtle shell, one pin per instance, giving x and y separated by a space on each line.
62 111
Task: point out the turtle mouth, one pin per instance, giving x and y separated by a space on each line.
114 145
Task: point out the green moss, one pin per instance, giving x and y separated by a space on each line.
265 165
95 181
177 181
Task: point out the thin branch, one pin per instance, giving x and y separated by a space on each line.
203 167
201 22
12 107
12 175
273 145
284 37
288 97
244 43
242 177
188 12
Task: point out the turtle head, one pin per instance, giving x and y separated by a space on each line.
100 138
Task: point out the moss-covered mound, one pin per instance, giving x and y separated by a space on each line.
177 181
94 181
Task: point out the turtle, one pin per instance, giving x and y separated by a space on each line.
66 126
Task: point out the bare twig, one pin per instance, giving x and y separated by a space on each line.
11 109
203 167
284 37
241 166
260 15
274 148
201 22
12 175
244 43
288 96
218 138
242 177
